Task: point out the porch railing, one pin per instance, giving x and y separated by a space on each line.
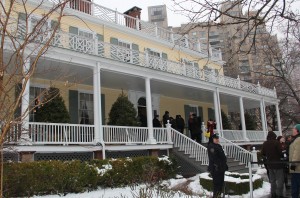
237 135
190 147
132 135
232 150
57 133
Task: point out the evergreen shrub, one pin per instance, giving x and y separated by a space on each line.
58 177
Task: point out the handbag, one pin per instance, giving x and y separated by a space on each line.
207 134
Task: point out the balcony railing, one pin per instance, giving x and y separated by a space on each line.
148 28
115 52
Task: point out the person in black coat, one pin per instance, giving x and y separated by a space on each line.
271 151
156 122
166 117
180 123
217 164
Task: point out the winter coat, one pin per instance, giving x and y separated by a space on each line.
294 154
271 150
217 158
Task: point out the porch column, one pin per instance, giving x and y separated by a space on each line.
217 117
242 114
25 139
278 119
263 121
151 139
98 138
219 109
265 116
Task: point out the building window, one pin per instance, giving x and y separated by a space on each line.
86 108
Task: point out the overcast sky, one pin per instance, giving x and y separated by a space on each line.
123 5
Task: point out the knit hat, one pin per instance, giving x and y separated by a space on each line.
297 126
271 135
216 135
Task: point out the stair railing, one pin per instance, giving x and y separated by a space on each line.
189 146
236 152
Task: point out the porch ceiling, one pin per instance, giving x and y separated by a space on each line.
68 72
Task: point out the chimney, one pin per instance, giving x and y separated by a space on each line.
134 13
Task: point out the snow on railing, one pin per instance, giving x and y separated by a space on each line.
190 147
232 150
57 133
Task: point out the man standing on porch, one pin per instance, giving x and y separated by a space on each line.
294 156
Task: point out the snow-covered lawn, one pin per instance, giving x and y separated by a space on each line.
191 185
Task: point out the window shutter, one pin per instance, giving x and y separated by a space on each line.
164 55
113 40
100 46
211 113
100 37
73 106
103 108
21 25
200 111
18 111
187 114
135 54
135 47
54 24
73 30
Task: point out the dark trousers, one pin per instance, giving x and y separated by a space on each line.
197 137
218 183
295 179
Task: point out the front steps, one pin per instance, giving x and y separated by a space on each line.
188 166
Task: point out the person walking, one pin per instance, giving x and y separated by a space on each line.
217 164
294 156
271 150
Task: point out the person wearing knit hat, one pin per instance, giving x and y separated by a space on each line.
294 156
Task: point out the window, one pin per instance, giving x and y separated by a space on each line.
124 52
202 34
86 108
36 97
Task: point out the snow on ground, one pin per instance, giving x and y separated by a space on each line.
194 186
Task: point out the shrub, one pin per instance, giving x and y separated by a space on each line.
58 177
232 188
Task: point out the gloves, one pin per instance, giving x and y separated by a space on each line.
293 167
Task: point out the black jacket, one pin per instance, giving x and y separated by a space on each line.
271 150
217 158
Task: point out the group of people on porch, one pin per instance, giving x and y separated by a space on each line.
194 125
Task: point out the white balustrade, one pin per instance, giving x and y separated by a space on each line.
255 135
14 133
107 50
57 133
232 150
190 147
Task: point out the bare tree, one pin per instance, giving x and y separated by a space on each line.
24 40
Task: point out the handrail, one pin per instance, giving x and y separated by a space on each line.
235 151
189 146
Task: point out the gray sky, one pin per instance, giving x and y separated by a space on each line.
123 5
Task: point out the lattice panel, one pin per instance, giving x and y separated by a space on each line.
83 156
10 156
121 154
